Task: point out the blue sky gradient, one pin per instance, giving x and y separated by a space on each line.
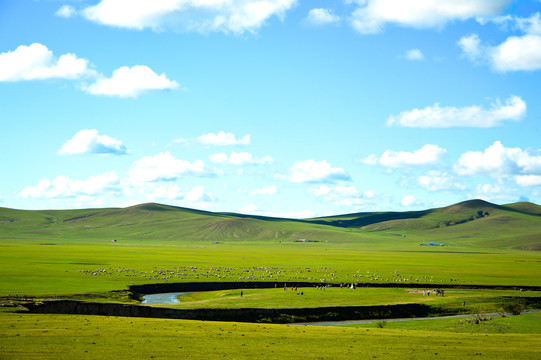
279 107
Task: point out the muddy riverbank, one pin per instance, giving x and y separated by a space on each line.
237 315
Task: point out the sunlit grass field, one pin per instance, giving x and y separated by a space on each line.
38 268
528 323
473 299
70 254
32 336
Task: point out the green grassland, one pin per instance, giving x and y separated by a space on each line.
70 254
65 252
70 266
475 299
24 336
529 323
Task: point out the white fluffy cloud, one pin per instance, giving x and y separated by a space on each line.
437 116
516 53
315 171
343 195
165 191
228 16
63 187
497 160
222 138
165 167
321 16
438 181
333 192
37 62
408 200
528 180
89 142
66 11
372 15
427 155
238 159
198 196
499 192
269 190
131 82
414 54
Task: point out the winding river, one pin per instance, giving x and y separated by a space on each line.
163 298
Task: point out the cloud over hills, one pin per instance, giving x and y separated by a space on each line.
88 141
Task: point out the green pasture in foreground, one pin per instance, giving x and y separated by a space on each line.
68 252
62 253
38 336
49 267
488 300
529 323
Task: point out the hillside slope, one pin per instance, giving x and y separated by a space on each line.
513 225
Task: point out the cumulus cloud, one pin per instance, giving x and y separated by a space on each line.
497 160
438 181
414 54
165 191
165 167
516 53
90 142
315 171
528 180
371 16
333 192
471 47
37 62
131 82
66 11
269 190
238 159
228 16
343 195
427 155
63 187
408 200
436 116
501 192
321 16
198 196
222 138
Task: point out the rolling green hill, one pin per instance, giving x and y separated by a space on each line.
515 225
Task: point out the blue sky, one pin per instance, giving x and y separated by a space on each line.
272 107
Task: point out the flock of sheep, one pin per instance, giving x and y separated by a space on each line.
225 273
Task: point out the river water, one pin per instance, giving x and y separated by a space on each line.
163 298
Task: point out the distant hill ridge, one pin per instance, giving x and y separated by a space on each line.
519 224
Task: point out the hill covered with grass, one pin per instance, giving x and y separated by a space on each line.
516 225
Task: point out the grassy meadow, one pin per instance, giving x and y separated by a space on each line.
71 254
99 337
476 300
